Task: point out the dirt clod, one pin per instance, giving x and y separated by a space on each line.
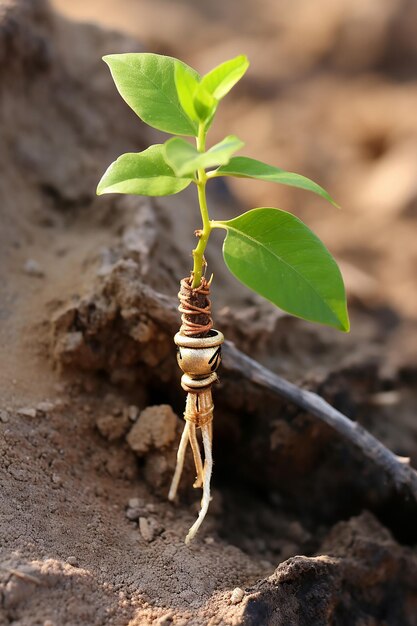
113 427
237 595
155 429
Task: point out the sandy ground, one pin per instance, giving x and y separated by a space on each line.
87 535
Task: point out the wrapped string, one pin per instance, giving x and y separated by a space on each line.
195 308
199 355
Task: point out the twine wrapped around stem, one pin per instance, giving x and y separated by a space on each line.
199 355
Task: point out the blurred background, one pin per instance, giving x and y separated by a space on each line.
331 93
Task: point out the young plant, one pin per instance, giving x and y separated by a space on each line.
269 250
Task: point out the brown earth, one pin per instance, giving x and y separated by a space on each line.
301 531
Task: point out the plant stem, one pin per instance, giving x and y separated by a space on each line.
198 252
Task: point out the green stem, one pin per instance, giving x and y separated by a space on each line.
198 252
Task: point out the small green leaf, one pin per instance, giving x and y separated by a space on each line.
204 103
185 159
147 83
142 173
186 84
245 167
276 255
222 78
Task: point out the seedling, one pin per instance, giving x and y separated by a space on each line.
269 250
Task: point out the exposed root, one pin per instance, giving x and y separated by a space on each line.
208 468
197 456
180 462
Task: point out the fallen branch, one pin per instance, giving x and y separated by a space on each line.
400 472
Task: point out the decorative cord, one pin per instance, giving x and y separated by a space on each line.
195 304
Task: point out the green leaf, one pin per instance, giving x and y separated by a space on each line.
204 103
147 83
276 255
186 85
142 173
185 159
245 167
222 78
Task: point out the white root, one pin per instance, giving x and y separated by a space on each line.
180 462
208 467
197 456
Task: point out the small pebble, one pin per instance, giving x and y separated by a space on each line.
165 620
27 412
4 417
45 407
237 595
72 560
56 479
33 268
149 528
134 503
132 413
134 514
209 541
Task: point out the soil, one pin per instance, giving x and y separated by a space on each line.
300 530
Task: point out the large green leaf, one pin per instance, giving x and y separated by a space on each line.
142 173
147 83
276 255
222 78
185 159
245 167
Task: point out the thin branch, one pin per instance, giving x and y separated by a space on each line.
401 473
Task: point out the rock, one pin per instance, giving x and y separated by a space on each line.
132 413
72 560
112 427
149 528
4 416
33 268
237 595
134 514
154 429
45 407
135 502
27 412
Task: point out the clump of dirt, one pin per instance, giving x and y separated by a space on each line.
88 443
308 590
